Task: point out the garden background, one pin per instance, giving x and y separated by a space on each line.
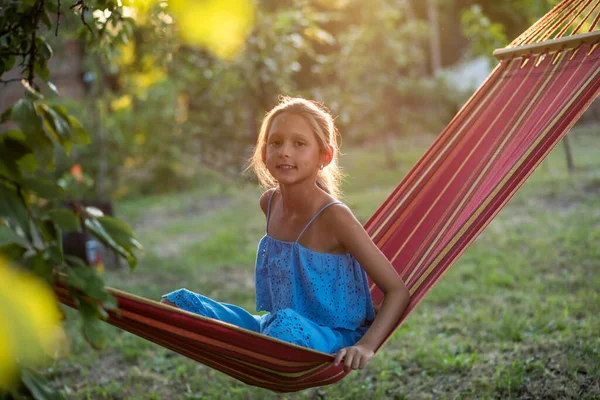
154 106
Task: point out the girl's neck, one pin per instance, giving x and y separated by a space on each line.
299 199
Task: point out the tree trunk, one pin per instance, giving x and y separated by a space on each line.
388 150
568 154
101 192
410 12
99 104
434 37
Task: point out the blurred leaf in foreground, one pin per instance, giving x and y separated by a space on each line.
222 26
30 323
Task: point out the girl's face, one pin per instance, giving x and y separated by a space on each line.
292 153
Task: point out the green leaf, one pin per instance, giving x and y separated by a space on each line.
57 125
14 212
111 303
48 230
67 145
30 122
9 62
43 148
122 234
122 36
6 115
75 261
92 328
51 6
54 252
59 245
15 135
10 169
44 188
44 48
13 149
117 227
88 281
30 92
26 5
41 69
28 163
78 132
67 220
38 386
41 267
53 87
94 212
24 114
74 279
82 33
12 251
62 111
122 242
46 19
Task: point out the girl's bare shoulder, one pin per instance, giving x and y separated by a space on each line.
339 216
264 199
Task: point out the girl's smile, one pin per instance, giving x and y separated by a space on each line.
292 153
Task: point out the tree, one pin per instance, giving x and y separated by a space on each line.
35 130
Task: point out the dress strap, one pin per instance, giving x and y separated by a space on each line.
315 217
269 210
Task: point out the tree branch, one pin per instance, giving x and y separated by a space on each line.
7 81
33 48
82 9
9 30
57 18
13 53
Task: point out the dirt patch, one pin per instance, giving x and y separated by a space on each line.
157 216
569 199
172 246
234 278
546 371
117 379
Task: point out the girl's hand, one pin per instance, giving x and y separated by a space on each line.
355 357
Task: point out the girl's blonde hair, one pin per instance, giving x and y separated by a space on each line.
321 122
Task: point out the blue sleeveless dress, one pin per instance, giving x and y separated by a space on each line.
316 300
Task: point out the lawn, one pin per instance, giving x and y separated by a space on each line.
517 317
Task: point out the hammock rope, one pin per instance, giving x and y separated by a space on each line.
564 20
476 165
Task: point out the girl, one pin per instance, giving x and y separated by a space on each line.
308 268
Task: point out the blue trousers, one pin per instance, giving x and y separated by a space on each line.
284 324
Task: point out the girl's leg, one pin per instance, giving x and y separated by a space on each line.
207 307
292 327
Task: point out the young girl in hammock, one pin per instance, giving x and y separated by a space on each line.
309 267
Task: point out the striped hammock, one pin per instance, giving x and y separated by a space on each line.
542 85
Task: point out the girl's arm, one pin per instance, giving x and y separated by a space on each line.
355 239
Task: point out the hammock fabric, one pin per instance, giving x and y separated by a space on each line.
454 191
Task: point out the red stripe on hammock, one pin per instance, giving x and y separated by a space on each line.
499 131
398 193
518 179
463 184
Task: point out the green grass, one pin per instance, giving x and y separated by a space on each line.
516 318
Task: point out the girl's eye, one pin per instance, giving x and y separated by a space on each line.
300 143
275 142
